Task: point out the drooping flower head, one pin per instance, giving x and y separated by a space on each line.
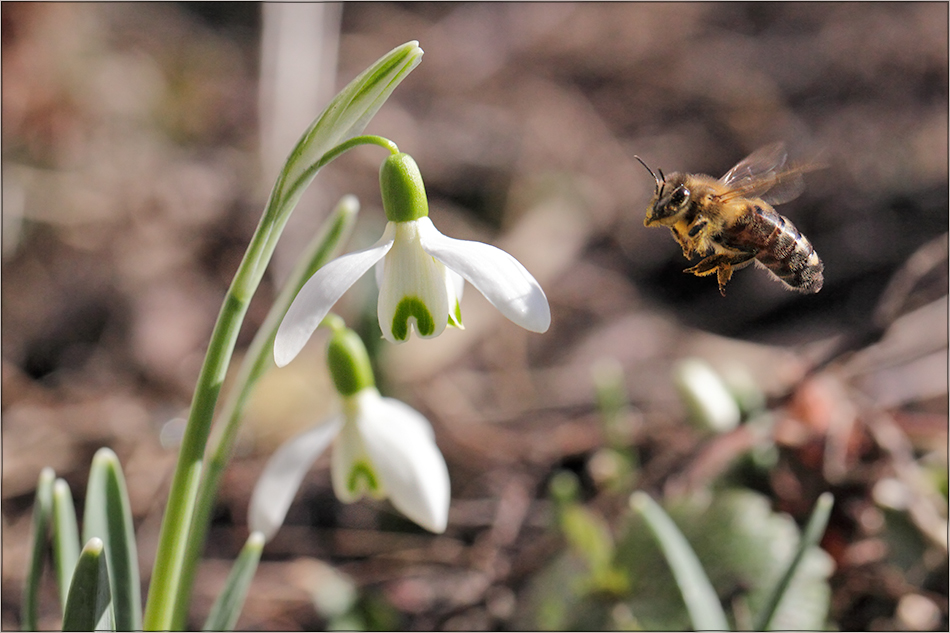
420 273
382 448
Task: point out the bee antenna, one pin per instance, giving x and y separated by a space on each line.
659 181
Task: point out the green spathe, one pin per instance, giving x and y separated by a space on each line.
413 307
402 190
349 363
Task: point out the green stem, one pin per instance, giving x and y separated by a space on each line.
257 360
182 496
366 139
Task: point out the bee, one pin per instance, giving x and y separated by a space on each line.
733 218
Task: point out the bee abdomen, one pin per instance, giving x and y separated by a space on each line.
783 250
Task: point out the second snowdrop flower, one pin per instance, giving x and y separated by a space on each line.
382 448
420 273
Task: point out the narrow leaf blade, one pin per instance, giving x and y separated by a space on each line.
89 589
814 530
227 608
42 514
108 516
65 537
700 597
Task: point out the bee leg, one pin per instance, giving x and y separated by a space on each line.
706 267
721 264
724 274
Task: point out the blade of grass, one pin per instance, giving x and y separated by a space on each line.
108 516
227 608
65 537
700 597
814 530
89 589
42 514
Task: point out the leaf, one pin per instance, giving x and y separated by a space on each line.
227 608
701 600
811 537
89 589
744 548
65 537
108 516
42 513
344 117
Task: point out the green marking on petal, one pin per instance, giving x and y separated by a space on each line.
362 478
455 317
412 307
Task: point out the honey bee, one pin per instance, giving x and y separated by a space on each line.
733 217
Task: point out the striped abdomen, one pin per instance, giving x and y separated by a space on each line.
780 247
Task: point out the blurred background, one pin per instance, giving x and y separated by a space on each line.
140 142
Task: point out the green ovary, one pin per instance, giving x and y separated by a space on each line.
412 307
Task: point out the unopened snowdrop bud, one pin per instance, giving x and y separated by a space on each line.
709 402
402 190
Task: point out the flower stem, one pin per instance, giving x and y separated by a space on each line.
344 118
257 360
172 543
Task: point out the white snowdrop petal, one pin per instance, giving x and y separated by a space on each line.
496 274
412 289
318 295
278 483
400 442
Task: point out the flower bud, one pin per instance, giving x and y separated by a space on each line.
400 184
348 362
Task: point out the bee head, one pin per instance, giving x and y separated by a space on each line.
667 202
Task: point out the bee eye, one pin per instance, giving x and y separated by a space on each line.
679 196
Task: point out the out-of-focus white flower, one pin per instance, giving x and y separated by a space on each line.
381 447
420 273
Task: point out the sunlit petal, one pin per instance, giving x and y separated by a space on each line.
496 274
412 291
318 295
401 444
281 478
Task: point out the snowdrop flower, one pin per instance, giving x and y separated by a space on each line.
381 447
420 273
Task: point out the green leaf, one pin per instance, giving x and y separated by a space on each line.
744 547
108 516
345 117
42 513
701 600
65 537
814 530
89 589
227 608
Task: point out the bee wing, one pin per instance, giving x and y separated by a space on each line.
763 174
759 166
785 187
